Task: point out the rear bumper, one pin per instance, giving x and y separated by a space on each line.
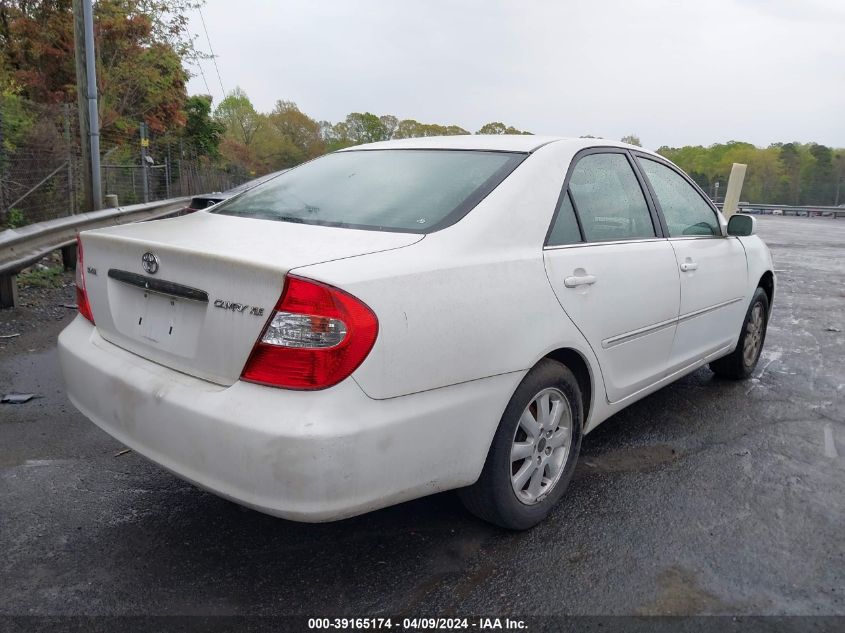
306 456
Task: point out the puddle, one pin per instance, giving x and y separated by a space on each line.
638 458
680 595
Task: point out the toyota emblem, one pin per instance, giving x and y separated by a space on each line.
150 262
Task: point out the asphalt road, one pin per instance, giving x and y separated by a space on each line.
708 497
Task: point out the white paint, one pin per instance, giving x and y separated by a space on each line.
463 314
734 190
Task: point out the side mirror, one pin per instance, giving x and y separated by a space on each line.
741 225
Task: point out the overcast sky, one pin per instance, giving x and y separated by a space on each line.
673 72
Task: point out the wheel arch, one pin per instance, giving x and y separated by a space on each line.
767 283
579 366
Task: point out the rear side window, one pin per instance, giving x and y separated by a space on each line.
684 209
415 191
565 229
609 200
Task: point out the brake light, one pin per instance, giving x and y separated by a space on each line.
81 295
318 335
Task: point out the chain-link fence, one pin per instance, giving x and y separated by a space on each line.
41 165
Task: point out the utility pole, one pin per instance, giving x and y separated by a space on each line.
86 90
71 190
145 143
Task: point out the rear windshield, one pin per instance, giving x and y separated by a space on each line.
412 191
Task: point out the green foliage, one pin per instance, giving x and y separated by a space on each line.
50 277
202 132
631 139
15 218
365 128
409 128
783 173
789 173
140 45
239 117
292 137
17 119
497 127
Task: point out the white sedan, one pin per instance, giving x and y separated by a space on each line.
407 317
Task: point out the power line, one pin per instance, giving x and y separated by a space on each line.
211 50
202 74
197 57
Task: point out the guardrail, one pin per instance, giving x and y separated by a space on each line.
23 247
781 209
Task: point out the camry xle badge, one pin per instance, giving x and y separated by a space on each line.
150 262
238 307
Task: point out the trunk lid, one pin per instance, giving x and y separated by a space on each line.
201 305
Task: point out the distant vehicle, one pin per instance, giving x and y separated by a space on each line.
777 212
210 199
406 317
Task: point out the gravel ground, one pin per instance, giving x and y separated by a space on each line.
708 497
39 309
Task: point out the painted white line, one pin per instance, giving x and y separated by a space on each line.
829 443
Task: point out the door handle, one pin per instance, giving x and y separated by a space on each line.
689 265
580 280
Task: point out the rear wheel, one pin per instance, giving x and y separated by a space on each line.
740 363
534 451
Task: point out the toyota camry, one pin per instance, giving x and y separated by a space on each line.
413 316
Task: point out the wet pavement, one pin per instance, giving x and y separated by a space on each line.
708 497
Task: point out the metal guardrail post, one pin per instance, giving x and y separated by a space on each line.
69 257
8 290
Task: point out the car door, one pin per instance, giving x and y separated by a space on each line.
612 271
712 266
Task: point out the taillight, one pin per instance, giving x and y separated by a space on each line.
81 295
317 336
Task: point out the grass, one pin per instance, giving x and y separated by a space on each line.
51 277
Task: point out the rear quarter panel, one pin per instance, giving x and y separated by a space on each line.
470 301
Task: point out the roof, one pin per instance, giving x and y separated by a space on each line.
495 142
490 142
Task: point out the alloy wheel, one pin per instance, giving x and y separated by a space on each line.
541 445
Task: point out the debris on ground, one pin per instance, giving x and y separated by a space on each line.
70 306
9 335
123 452
832 329
17 398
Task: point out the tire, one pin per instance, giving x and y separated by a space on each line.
739 364
494 497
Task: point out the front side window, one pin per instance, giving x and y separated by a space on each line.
684 209
609 200
414 191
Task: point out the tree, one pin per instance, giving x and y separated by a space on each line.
365 128
202 132
335 135
239 116
295 137
790 158
409 128
496 127
820 175
839 177
140 46
389 123
631 139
